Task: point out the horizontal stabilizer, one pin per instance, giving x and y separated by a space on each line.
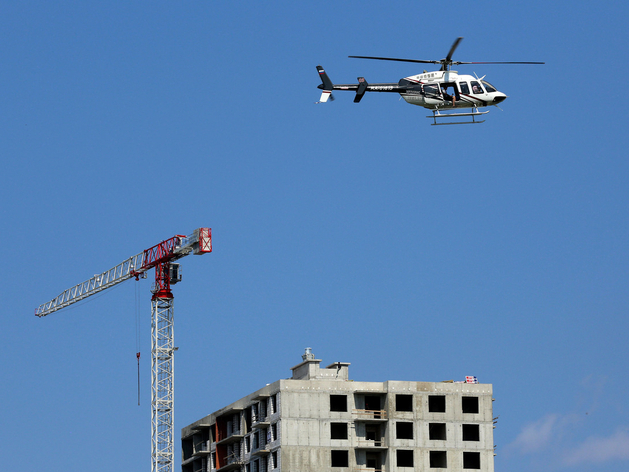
360 91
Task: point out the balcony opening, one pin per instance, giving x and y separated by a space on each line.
373 460
469 404
372 402
247 414
437 431
373 406
186 446
372 433
404 402
437 403
273 404
471 432
404 430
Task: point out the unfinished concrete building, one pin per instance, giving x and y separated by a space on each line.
319 420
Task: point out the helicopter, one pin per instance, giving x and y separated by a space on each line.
439 91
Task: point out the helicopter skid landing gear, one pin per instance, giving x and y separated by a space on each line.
436 114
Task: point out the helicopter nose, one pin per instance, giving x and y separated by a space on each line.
499 97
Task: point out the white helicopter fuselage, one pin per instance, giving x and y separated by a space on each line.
445 90
439 90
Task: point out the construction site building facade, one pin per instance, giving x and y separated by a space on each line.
320 421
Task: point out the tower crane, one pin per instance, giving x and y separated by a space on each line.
162 257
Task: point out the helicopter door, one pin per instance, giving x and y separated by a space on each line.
450 92
432 95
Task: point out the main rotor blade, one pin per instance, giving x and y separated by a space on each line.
454 46
443 61
499 63
395 59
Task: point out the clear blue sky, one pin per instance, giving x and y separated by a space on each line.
413 252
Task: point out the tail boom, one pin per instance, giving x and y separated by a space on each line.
360 88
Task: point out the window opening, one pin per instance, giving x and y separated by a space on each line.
338 402
469 404
471 460
465 88
438 460
340 459
437 403
471 432
404 430
437 431
404 458
338 430
404 402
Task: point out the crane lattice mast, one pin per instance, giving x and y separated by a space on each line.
161 257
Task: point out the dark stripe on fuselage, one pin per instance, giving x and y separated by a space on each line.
474 98
384 87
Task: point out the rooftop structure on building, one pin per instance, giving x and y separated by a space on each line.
318 420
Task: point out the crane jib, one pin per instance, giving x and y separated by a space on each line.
199 242
123 271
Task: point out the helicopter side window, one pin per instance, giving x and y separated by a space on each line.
431 89
490 88
464 87
476 88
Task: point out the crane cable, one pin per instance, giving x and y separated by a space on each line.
137 334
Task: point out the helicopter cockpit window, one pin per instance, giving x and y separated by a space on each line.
464 87
490 88
476 88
